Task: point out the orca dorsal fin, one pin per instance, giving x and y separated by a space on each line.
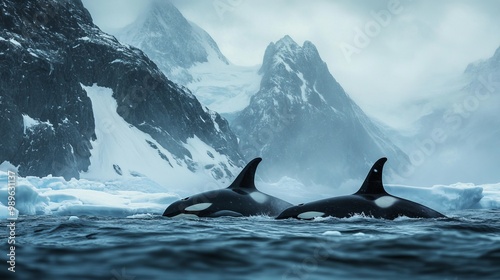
373 182
245 179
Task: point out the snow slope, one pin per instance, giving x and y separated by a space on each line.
122 151
217 83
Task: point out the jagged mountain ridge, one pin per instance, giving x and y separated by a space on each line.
48 114
174 43
304 123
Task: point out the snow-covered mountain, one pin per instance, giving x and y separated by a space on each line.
76 102
189 56
304 123
459 138
171 41
228 89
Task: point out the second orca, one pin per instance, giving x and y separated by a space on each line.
370 200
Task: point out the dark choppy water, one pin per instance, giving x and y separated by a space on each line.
51 247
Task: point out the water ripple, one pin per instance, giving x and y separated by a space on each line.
50 247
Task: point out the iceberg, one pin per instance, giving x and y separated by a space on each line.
56 196
143 197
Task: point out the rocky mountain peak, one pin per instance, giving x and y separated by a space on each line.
300 75
287 52
302 118
281 53
165 10
287 44
169 39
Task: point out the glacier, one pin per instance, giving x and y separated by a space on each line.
142 197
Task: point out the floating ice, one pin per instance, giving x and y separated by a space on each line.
140 197
55 196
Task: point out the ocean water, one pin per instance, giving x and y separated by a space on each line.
465 246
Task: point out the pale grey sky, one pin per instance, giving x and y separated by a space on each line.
385 53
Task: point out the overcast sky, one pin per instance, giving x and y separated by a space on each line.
386 54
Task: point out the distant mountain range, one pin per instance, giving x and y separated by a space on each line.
292 112
456 141
84 104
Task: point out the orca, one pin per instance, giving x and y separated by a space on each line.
370 200
240 199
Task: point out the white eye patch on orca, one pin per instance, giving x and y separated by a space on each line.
258 197
310 215
385 201
198 207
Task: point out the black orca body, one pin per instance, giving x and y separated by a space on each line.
370 200
240 199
